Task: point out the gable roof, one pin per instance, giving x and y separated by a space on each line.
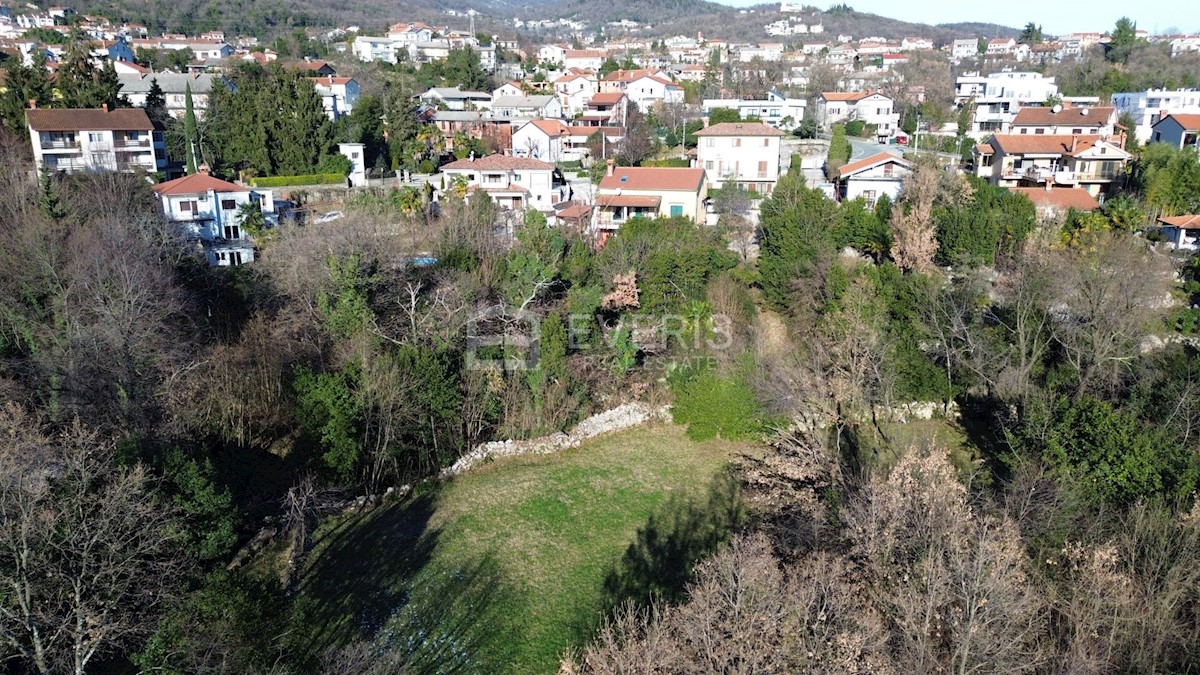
653 178
1188 122
89 119
499 163
1068 117
871 162
850 96
1190 222
1059 198
535 101
170 83
630 75
740 129
550 127
1048 144
610 98
196 184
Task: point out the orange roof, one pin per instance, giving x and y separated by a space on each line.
499 163
196 184
1190 222
328 80
611 98
873 160
1049 144
644 178
740 129
1188 122
550 127
630 75
849 96
984 149
1067 117
1059 198
574 210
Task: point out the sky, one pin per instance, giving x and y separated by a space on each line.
1061 16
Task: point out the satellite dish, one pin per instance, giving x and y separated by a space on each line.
1083 112
1057 108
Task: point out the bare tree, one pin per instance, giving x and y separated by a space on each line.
88 556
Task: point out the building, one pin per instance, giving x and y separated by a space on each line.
174 87
1182 231
90 139
1181 131
1148 107
541 139
375 48
338 95
870 107
574 91
631 192
649 90
872 177
544 106
1058 120
211 211
776 110
998 97
963 49
1088 162
513 183
453 98
1054 202
743 153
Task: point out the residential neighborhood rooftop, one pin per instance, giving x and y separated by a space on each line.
740 129
88 119
499 163
643 178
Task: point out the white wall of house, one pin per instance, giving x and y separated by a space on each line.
1150 106
750 161
104 150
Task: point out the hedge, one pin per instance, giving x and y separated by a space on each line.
287 181
667 163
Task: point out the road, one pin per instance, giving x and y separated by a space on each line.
861 149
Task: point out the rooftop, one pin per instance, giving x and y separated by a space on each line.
740 129
89 119
1080 116
499 163
1059 198
196 184
872 161
653 178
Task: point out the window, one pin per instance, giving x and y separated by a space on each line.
94 137
710 142
762 169
676 210
708 165
1039 132
737 142
766 142
869 195
233 232
1077 131
1024 130
189 206
228 204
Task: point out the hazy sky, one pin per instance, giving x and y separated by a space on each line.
1055 16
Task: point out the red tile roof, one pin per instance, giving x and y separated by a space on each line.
196 184
89 119
740 129
1190 222
1059 198
574 210
1067 117
550 127
643 178
611 98
873 160
499 163
1049 144
630 201
1188 122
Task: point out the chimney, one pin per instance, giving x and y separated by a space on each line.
1074 143
104 107
1049 183
33 104
611 166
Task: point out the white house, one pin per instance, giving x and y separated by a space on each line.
209 210
870 178
96 139
174 87
375 48
584 59
407 34
744 153
508 89
514 183
998 97
545 106
339 95
868 106
1182 231
631 192
453 98
650 89
776 109
541 139
574 91
1015 160
1148 107
357 154
1000 46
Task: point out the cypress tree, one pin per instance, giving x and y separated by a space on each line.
189 126
49 203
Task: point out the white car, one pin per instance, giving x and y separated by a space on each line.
329 217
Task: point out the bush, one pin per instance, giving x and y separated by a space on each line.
714 406
426 166
288 181
856 128
667 163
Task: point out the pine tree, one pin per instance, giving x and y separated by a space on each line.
156 106
49 203
189 125
23 84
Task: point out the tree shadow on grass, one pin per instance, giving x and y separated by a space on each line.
658 566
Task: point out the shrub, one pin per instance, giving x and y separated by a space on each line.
674 163
713 406
856 128
288 181
426 166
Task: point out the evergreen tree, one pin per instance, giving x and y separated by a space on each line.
156 106
1121 42
300 133
80 84
189 126
463 69
797 222
1032 34
49 203
23 84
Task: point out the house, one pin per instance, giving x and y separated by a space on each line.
405 35
91 139
1054 202
1180 131
962 49
313 67
744 153
870 107
211 211
1000 46
618 80
545 106
496 135
998 97
174 87
508 89
541 139
1148 107
1089 162
1182 231
587 59
1083 120
574 91
453 98
648 90
375 48
605 109
630 192
339 95
513 183
776 109
872 177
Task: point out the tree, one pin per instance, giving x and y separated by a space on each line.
839 151
638 142
156 105
51 206
914 240
1122 40
721 115
462 69
1031 35
22 85
80 84
88 557
190 138
796 223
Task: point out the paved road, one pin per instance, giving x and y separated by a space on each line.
862 149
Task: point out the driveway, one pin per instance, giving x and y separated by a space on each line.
862 148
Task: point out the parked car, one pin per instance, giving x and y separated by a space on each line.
329 217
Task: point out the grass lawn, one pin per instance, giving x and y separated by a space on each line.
507 566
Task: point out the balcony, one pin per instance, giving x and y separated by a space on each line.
127 145
63 144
